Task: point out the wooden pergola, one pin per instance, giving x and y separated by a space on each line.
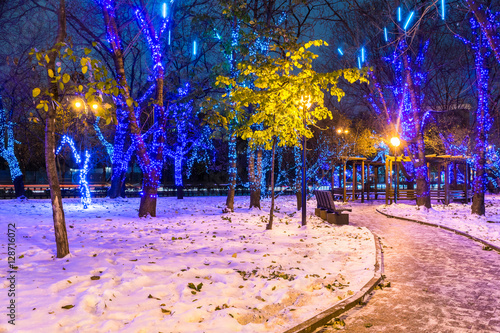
352 189
389 180
441 190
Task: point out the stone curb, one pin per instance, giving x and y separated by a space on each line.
458 232
335 311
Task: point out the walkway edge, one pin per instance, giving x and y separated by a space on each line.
335 311
458 232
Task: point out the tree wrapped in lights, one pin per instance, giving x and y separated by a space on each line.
189 140
489 24
150 156
493 166
84 167
406 114
119 153
484 119
7 152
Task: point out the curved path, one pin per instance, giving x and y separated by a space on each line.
440 281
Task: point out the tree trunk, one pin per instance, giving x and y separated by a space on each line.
482 75
50 144
298 194
298 176
151 166
478 207
254 186
232 174
116 185
19 187
258 177
180 192
179 184
123 187
271 214
120 157
423 188
148 201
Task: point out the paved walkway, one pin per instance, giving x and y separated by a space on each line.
441 282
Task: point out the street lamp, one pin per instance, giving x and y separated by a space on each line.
81 102
305 101
395 142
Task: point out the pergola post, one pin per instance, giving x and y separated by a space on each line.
439 182
466 182
446 184
363 181
344 196
396 189
376 182
455 175
387 186
354 180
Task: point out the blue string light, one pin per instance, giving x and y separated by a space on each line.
7 148
359 62
399 14
188 138
105 143
194 47
362 54
153 40
443 4
385 34
83 170
340 51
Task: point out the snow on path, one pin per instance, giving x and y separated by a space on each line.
191 269
456 216
440 281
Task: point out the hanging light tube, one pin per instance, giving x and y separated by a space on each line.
164 10
408 21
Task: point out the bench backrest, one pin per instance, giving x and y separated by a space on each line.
330 203
324 199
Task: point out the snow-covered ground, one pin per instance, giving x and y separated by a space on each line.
191 269
456 216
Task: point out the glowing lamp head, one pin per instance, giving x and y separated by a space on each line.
346 131
306 100
339 130
94 106
78 105
395 141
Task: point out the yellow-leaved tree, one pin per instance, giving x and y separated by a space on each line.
287 95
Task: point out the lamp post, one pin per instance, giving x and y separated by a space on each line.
307 103
395 142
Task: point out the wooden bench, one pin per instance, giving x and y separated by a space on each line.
327 211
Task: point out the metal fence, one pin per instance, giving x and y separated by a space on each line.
100 191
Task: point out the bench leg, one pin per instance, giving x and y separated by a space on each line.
338 219
317 212
323 214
